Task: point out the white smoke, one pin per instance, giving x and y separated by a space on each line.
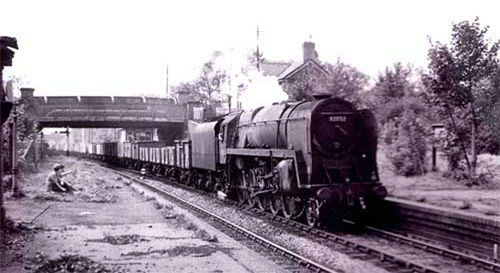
245 84
261 91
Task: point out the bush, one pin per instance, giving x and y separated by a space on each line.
487 141
407 152
390 133
453 152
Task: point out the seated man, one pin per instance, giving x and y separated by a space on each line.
55 182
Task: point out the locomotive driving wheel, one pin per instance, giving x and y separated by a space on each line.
275 204
209 185
262 202
184 178
240 194
291 208
312 212
251 200
199 183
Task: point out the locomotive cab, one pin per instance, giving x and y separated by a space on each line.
226 136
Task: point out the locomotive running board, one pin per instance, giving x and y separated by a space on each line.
300 168
277 153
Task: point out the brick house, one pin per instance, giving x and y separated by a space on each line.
302 79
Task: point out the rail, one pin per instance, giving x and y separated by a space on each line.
291 255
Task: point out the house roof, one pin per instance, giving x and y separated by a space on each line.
292 67
273 68
296 67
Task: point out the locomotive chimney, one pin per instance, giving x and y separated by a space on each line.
309 52
320 96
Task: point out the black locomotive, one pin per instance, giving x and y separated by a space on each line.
313 158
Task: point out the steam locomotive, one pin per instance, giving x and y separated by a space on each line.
312 159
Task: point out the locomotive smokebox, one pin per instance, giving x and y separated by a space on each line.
332 196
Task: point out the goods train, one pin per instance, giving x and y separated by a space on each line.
313 159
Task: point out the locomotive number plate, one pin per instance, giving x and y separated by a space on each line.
337 118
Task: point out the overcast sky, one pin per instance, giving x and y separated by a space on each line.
123 47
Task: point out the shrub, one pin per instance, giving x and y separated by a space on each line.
407 152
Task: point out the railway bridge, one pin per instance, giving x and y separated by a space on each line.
104 111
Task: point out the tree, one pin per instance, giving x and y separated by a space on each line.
390 92
210 82
208 86
186 87
459 83
489 114
343 81
407 150
346 81
393 84
401 114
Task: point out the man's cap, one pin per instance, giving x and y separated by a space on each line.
58 166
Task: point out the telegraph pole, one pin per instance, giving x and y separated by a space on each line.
166 87
257 52
67 140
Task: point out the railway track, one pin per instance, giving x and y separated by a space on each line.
288 259
461 231
416 256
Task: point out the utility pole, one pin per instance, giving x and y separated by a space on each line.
166 87
230 88
238 103
67 140
257 52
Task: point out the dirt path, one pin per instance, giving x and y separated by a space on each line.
107 227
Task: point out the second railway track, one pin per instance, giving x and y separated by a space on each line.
462 231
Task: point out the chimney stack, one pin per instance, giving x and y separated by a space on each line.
27 93
309 52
